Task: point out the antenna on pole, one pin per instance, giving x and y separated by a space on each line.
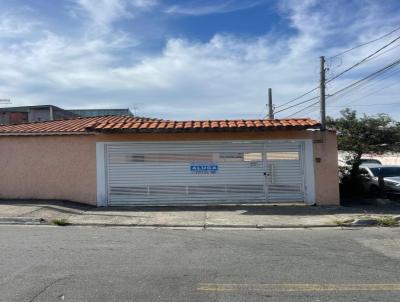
135 108
270 105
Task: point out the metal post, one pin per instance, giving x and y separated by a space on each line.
270 106
51 113
322 94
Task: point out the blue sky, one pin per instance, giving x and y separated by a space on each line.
193 59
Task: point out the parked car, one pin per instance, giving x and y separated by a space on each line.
347 165
370 177
366 161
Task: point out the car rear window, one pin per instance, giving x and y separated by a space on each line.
370 161
386 171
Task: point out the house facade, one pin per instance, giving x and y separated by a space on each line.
123 160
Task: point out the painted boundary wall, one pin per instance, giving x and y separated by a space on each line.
63 167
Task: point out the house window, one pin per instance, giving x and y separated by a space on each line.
252 156
289 155
240 156
160 157
231 157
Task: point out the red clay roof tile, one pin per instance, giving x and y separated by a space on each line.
136 124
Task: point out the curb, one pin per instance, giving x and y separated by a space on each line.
22 220
202 226
41 221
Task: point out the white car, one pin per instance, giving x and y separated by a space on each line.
363 162
391 177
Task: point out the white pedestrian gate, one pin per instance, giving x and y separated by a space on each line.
203 172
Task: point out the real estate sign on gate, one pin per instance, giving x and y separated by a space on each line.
204 168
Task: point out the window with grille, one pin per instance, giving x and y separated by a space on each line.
289 155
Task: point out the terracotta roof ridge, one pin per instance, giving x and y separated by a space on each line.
51 121
240 120
119 119
80 118
128 123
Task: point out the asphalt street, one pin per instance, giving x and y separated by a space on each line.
46 263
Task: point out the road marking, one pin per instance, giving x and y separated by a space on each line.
296 287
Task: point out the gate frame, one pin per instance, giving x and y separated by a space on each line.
308 166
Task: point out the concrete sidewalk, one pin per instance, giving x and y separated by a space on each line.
244 216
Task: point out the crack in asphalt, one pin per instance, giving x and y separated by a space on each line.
33 211
47 287
205 220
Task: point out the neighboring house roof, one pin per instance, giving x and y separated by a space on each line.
27 108
100 112
130 124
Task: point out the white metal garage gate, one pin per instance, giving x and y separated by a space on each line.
206 172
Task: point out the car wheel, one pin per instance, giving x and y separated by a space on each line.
374 191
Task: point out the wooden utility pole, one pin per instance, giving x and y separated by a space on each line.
270 106
322 94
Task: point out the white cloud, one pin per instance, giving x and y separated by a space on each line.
225 77
104 12
198 8
11 27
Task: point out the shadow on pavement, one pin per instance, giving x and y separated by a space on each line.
354 206
63 206
367 206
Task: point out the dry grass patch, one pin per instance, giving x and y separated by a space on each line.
60 221
343 222
387 221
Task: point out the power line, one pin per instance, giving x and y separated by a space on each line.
366 43
382 53
354 84
372 75
362 83
299 97
309 106
365 105
381 104
297 104
363 60
335 77
388 74
343 72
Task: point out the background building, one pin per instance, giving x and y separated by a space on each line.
28 114
41 113
101 112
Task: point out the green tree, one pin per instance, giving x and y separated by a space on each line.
365 134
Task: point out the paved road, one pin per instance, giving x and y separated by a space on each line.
126 264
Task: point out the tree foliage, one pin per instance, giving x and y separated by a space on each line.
365 134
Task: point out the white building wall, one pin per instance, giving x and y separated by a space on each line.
385 159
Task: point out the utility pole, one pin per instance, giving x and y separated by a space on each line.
322 94
270 106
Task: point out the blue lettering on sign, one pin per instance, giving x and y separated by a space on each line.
204 168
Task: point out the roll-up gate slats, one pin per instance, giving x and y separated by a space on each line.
204 172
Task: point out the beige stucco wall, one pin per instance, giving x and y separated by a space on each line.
48 167
326 168
64 167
